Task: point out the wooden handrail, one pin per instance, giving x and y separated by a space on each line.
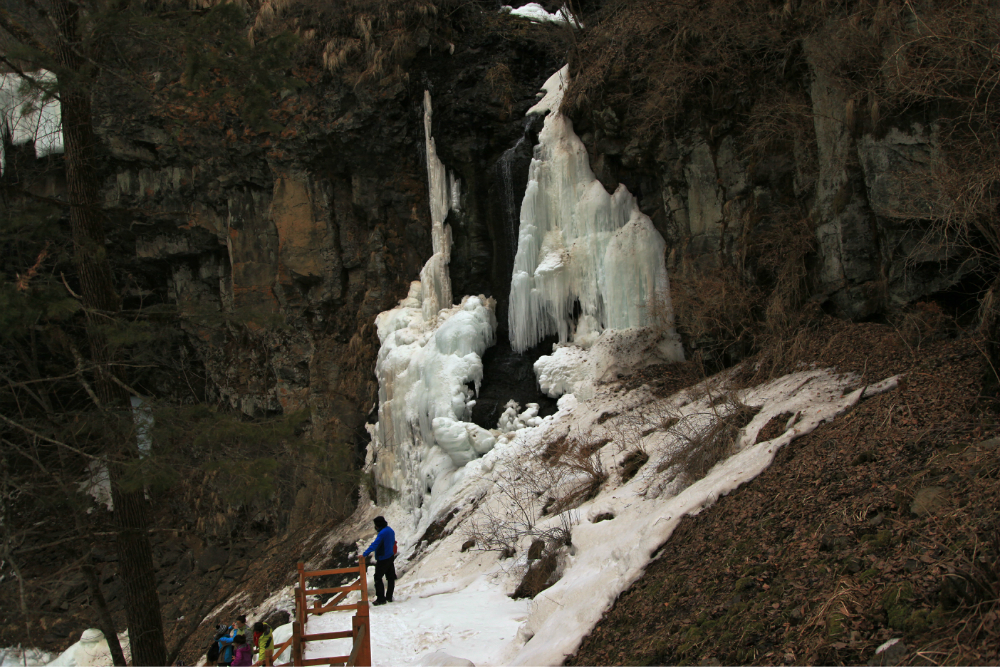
324 636
335 660
327 591
361 654
322 573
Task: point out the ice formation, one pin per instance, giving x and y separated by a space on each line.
535 12
430 363
511 420
26 117
578 244
90 651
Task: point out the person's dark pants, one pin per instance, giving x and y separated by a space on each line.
385 568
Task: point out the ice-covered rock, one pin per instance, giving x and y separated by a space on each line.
511 420
91 651
535 12
587 261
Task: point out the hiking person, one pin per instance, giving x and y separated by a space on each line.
212 655
243 654
237 629
384 547
263 643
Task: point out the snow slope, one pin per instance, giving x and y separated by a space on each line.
454 601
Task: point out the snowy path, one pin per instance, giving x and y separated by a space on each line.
476 623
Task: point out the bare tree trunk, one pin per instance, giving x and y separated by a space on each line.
103 613
142 605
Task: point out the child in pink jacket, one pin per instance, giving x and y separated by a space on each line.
243 655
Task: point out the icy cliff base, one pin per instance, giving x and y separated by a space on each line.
587 261
572 369
424 372
456 601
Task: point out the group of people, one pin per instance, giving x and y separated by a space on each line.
232 648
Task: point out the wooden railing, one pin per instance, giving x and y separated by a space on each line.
361 653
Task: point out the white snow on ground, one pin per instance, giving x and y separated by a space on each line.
18 657
457 602
91 650
28 118
535 12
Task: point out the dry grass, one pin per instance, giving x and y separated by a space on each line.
361 41
501 83
703 447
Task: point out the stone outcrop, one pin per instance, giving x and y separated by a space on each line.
870 192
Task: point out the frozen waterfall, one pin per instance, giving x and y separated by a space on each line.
577 243
430 363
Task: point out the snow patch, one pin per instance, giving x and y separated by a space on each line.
27 117
535 12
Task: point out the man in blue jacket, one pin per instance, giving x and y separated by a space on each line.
384 547
239 627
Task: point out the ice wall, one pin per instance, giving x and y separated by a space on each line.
577 243
430 366
27 118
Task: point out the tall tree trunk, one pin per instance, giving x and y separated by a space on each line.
103 613
142 604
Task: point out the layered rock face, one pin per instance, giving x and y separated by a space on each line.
866 190
279 253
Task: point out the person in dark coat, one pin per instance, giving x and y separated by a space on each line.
384 548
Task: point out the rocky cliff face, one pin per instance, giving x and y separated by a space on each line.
864 188
280 252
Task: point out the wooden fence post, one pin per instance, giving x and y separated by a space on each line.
297 653
361 618
300 599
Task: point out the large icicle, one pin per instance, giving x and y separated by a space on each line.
440 185
577 243
27 118
430 367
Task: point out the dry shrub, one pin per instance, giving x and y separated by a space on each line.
715 313
501 83
579 473
924 322
703 448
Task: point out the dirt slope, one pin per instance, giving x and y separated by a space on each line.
880 525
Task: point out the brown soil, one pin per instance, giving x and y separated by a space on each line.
821 558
